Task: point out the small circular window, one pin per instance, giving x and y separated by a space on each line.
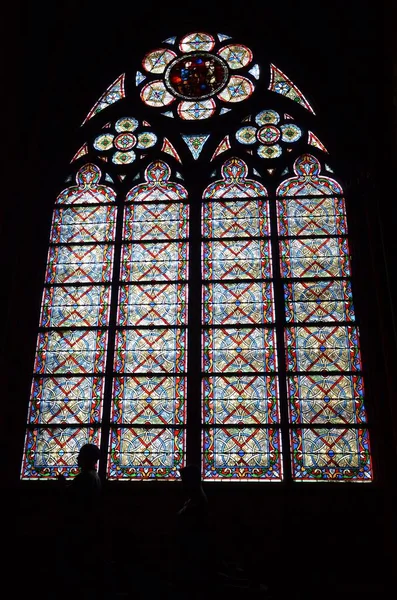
196 76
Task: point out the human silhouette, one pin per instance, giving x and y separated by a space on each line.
192 537
80 552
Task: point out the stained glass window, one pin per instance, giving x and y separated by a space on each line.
241 434
210 322
147 439
328 435
197 76
68 382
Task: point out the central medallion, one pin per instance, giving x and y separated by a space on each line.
196 76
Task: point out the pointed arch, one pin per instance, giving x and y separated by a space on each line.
248 283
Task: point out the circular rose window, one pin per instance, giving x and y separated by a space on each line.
196 76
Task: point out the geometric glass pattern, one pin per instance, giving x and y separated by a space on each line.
239 350
65 409
314 141
195 143
147 438
281 84
325 390
196 76
114 93
223 324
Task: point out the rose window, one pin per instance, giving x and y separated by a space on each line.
125 139
198 77
268 134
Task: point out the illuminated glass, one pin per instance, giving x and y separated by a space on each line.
237 291
324 381
114 93
70 361
281 84
151 355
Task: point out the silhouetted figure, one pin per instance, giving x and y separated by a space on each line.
86 487
80 543
193 537
196 505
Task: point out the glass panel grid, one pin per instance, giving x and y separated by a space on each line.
324 383
146 454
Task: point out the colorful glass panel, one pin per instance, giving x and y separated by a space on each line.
155 221
281 84
239 350
318 348
146 454
103 142
123 158
168 148
315 257
237 259
240 400
160 304
237 56
255 71
139 78
53 452
79 264
196 111
83 224
308 181
312 301
195 143
197 41
231 454
154 262
222 147
126 124
125 141
243 303
246 135
234 183
314 141
81 152
150 351
146 139
71 351
331 455
71 306
326 399
290 132
235 218
157 60
269 151
239 392
113 94
311 216
154 400
87 190
196 76
66 400
268 134
238 89
153 351
156 94
267 116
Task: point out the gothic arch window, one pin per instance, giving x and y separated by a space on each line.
197 304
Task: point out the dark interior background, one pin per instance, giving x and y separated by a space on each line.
59 58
